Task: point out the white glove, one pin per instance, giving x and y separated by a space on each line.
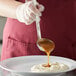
27 12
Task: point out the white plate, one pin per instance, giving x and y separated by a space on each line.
22 65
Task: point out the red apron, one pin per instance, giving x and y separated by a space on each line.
58 23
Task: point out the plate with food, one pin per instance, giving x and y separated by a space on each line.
38 65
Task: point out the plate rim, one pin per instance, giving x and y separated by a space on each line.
14 71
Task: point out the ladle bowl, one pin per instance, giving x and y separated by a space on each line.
45 41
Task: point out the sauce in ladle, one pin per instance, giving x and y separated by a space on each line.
47 46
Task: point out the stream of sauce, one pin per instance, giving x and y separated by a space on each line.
48 47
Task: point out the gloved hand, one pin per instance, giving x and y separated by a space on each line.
27 12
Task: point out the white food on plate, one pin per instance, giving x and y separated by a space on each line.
55 67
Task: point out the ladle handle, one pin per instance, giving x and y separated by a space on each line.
38 27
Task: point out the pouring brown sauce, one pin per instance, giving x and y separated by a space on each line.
47 46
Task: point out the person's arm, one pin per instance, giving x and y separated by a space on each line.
23 12
8 8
